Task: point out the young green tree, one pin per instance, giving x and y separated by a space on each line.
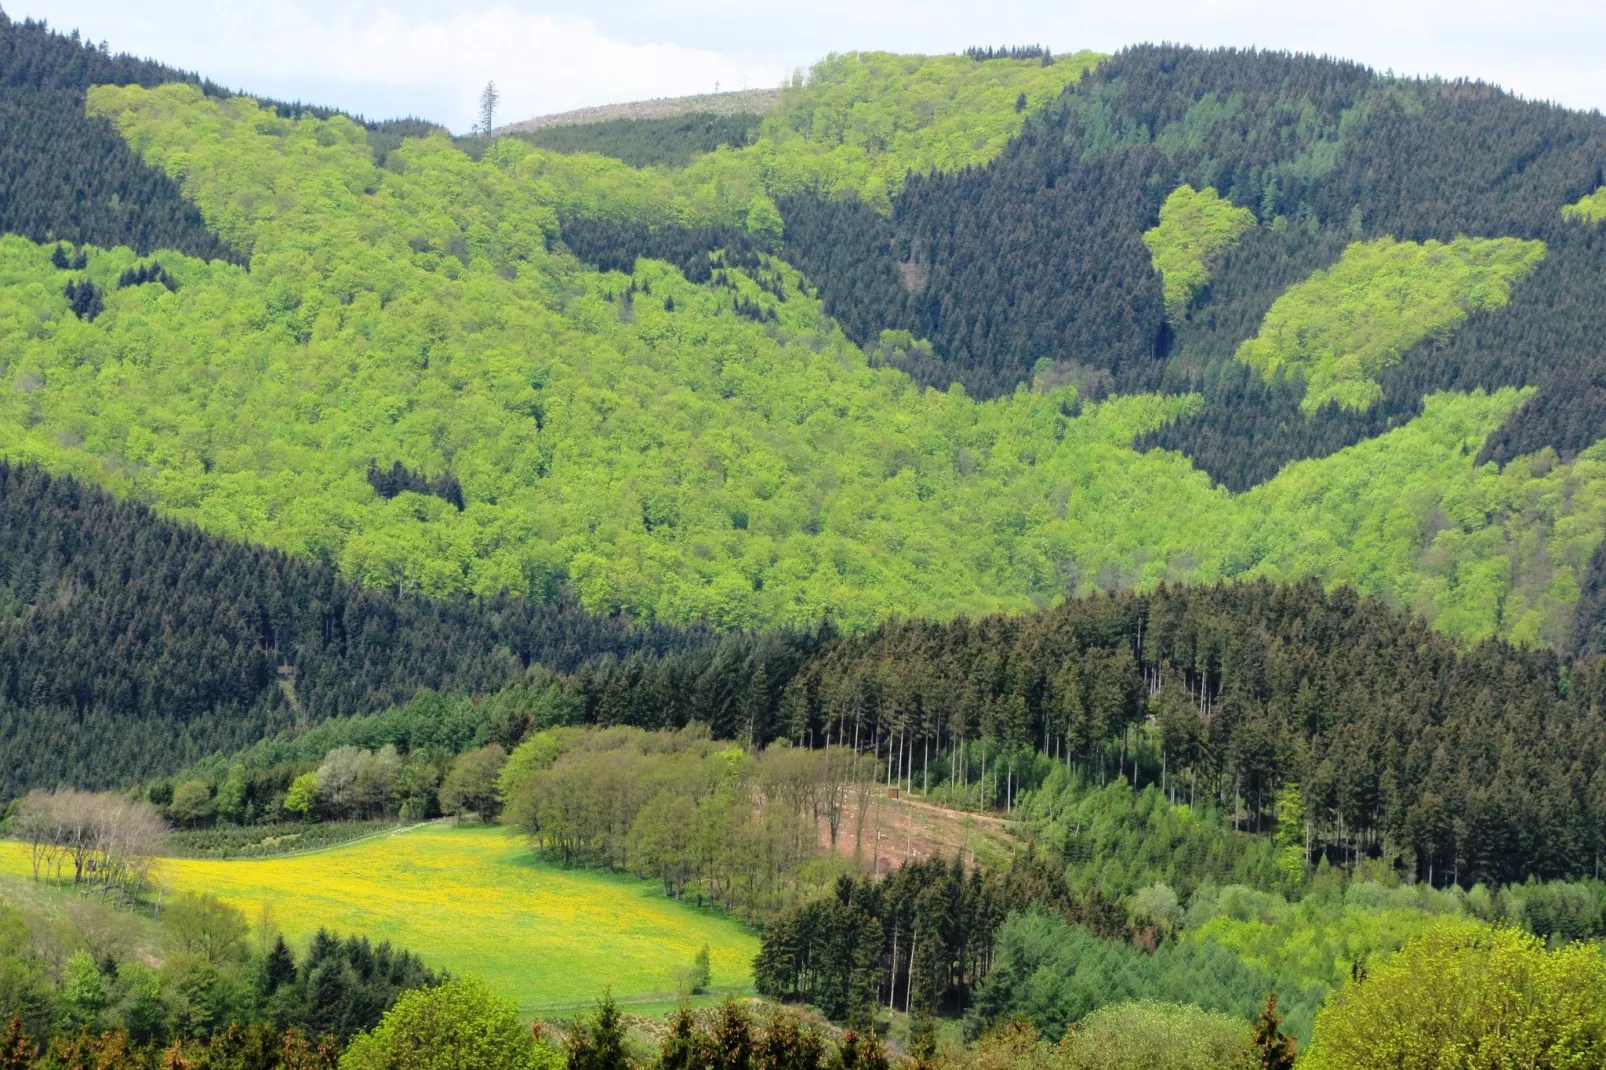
471 784
302 798
84 994
204 925
923 1036
192 800
459 1025
1292 846
701 972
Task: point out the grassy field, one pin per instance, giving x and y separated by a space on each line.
472 900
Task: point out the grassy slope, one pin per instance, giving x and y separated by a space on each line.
472 900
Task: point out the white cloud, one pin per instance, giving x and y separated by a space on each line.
386 57
359 57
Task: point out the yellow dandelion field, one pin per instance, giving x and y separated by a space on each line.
474 900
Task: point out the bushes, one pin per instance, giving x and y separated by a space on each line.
1145 1035
263 841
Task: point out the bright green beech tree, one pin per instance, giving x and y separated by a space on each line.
460 1025
1196 227
1466 997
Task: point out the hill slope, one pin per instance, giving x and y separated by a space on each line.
733 102
701 440
67 175
115 624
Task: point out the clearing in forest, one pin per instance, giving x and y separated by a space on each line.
474 900
896 829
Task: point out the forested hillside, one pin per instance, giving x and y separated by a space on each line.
118 625
1276 706
68 176
413 312
1483 763
1185 465
1036 257
670 142
703 440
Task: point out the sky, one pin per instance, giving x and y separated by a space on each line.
431 58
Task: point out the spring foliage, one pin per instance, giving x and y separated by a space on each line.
855 128
1588 209
1196 227
459 1025
1466 996
1157 1036
864 120
598 445
1342 326
1054 974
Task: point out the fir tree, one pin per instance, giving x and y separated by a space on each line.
598 1042
682 1048
785 1045
16 1051
1275 1051
731 1045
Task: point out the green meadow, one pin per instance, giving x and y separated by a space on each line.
474 900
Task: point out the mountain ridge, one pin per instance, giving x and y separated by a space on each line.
729 102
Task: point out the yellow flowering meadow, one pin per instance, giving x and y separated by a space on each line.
473 900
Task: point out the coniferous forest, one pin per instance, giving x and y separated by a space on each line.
68 176
1106 550
671 142
118 624
998 279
